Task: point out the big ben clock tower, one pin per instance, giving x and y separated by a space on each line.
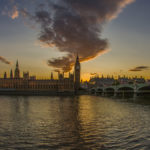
77 74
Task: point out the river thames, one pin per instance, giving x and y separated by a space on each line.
74 123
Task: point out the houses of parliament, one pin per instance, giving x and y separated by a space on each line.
16 83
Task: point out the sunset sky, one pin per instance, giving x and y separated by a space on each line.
128 36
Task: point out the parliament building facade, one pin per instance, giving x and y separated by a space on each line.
16 83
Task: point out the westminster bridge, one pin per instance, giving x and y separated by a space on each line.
123 90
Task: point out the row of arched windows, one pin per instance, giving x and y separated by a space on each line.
20 84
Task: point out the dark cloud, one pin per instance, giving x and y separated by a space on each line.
74 26
62 63
93 74
140 68
4 60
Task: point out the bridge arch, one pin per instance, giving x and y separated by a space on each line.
110 91
125 91
144 91
93 91
99 91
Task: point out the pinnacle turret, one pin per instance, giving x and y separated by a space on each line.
17 71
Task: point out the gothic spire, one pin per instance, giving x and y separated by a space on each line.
51 76
17 71
17 64
5 75
11 74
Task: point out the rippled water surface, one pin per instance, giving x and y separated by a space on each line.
72 123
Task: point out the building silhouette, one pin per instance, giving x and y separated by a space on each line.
102 81
77 69
31 84
11 74
17 71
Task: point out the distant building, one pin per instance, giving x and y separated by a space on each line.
124 80
30 83
26 75
127 80
84 85
139 80
101 81
108 81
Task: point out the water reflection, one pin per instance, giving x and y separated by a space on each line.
84 122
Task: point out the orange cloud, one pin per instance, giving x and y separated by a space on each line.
12 13
15 13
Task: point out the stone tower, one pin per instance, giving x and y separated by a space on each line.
11 74
52 76
5 75
17 71
77 74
